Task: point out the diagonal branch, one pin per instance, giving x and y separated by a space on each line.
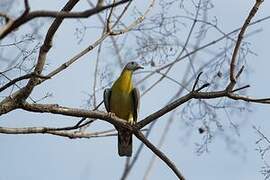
26 16
12 102
166 130
160 154
131 163
27 76
45 48
240 38
197 95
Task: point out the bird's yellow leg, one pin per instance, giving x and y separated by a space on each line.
130 120
111 114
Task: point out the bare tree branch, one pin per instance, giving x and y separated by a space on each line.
27 76
201 48
161 155
54 131
197 95
8 103
9 27
75 112
159 145
240 38
18 99
130 163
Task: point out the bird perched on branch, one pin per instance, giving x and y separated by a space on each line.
123 100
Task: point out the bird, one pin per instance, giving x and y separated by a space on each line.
123 100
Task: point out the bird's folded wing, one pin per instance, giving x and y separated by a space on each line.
136 103
107 96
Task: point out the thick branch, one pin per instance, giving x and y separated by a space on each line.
198 95
27 76
160 154
12 102
35 14
46 46
74 112
240 38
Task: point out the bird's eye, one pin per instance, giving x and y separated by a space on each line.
132 63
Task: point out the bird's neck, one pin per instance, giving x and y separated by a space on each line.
124 82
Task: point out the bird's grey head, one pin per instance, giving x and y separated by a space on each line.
133 66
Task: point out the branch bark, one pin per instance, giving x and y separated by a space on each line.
160 154
17 100
240 38
14 101
15 80
26 16
55 131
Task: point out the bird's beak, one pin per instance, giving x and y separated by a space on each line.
139 67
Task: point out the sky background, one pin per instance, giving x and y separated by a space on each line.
47 157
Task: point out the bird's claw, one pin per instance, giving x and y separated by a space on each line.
131 122
111 114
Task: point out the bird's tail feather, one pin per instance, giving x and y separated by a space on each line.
124 143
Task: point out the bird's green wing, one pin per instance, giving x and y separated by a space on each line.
106 98
136 103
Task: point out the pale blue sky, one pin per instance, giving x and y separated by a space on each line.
46 157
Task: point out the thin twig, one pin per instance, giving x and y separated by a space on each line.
108 27
27 16
201 48
27 76
196 81
241 88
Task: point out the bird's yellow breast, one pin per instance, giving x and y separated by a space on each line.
121 97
